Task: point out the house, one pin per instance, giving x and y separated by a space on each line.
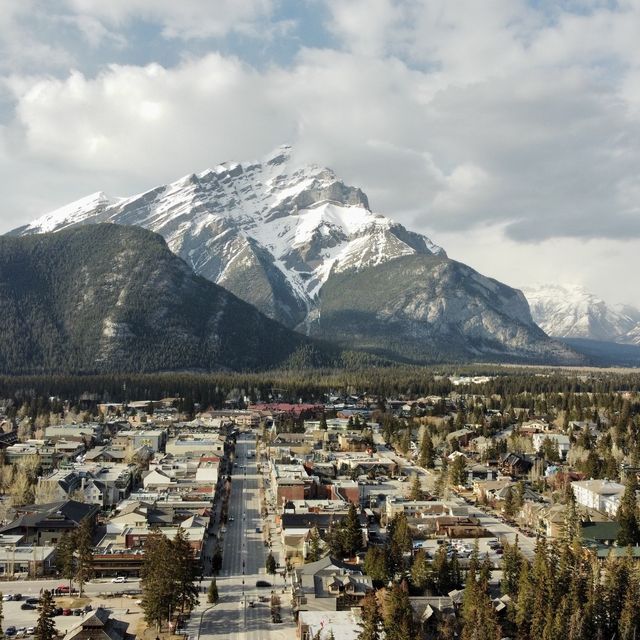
461 436
328 585
515 464
560 442
295 529
600 495
44 524
99 625
429 611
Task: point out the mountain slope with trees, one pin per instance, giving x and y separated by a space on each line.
108 298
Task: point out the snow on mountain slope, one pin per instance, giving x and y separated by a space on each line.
573 312
271 232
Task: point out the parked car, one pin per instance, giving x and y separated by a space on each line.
31 630
262 583
77 612
10 631
119 579
66 612
17 596
276 617
7 597
25 606
32 600
62 588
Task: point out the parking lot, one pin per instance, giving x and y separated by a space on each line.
24 619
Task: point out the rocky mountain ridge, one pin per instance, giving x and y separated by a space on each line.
570 311
305 248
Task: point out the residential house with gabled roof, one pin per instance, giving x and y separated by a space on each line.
44 524
328 585
99 625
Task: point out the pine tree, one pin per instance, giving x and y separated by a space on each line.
376 566
65 561
427 454
216 560
420 571
157 579
416 489
45 627
371 619
627 516
185 591
270 564
571 531
511 566
458 471
315 551
84 554
524 603
352 531
398 615
212 594
508 507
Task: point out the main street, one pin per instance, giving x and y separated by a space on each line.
243 561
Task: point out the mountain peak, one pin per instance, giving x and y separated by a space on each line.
288 224
571 311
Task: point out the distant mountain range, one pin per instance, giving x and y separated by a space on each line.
105 298
305 249
573 312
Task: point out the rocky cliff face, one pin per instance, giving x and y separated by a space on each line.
429 308
305 249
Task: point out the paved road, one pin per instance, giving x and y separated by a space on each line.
243 561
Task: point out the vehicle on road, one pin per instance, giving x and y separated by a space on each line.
230 519
276 617
262 583
26 606
119 579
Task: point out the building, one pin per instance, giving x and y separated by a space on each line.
49 458
44 524
34 561
328 585
601 495
153 439
99 625
560 441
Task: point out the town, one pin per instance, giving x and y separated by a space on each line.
505 505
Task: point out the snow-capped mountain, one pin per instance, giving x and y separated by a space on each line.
573 312
270 232
305 248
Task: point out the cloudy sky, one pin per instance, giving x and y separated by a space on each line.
508 131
